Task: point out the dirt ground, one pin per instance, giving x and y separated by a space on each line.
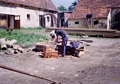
100 64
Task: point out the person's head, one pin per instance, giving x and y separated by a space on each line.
55 31
52 34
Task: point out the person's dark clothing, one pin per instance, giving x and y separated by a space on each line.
62 33
64 36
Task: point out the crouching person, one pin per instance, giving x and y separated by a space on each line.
64 35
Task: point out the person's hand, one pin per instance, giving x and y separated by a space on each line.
59 42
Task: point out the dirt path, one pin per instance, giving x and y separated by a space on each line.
100 64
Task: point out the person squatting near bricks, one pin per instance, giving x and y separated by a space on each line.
55 39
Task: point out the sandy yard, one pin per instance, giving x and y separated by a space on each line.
100 64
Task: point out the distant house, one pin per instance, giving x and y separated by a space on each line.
27 13
62 19
99 14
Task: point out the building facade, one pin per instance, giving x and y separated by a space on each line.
19 13
62 20
97 14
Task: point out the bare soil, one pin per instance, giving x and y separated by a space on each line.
100 64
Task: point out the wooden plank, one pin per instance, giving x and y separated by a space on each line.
86 31
80 29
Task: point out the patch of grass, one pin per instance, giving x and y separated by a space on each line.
31 28
22 38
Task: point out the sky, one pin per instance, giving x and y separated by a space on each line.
65 3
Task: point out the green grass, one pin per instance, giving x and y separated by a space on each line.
30 28
24 38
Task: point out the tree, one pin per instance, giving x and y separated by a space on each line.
62 8
72 6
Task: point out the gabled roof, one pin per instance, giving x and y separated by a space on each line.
98 8
44 4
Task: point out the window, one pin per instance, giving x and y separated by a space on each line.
96 22
48 19
28 16
17 17
77 22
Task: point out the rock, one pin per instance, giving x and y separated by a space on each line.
9 51
21 49
1 53
16 51
76 75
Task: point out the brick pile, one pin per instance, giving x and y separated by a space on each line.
50 53
47 51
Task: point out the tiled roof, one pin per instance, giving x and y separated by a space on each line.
44 4
98 8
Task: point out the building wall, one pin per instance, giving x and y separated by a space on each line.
81 23
101 25
33 20
109 21
55 21
66 15
71 24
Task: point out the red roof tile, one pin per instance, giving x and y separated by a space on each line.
98 8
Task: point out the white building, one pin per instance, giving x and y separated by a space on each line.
27 13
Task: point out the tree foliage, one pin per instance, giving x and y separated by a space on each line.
72 6
62 8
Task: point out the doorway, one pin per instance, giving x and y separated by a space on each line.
42 21
17 22
11 20
3 21
115 24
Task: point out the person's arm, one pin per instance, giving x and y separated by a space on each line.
58 39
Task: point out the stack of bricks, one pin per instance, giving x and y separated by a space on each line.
49 53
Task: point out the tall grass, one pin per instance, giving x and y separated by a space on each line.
26 39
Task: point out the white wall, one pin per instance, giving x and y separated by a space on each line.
71 23
109 20
99 26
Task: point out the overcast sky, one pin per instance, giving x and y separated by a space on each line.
65 3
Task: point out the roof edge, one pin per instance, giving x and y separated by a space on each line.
28 6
